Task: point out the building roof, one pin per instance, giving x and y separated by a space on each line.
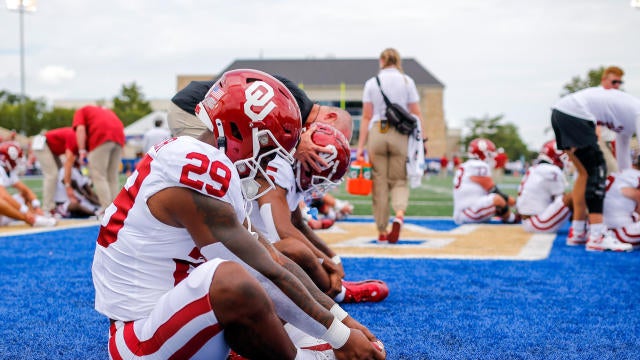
319 72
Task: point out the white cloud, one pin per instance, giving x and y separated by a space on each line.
54 75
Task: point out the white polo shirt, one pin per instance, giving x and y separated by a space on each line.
398 87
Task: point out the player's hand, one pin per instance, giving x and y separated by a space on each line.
340 270
308 153
360 154
358 347
335 280
354 324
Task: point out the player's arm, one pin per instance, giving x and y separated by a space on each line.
212 222
275 209
485 181
298 221
29 196
81 138
631 193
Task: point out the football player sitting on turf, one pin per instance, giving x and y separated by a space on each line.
175 269
24 205
542 202
278 216
476 198
621 210
77 200
328 210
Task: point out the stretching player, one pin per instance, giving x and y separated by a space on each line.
574 118
278 216
621 209
76 200
175 270
542 202
24 205
476 198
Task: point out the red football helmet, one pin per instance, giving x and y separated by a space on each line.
254 118
10 154
482 149
552 155
314 184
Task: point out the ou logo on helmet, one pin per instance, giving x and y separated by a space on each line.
258 94
329 157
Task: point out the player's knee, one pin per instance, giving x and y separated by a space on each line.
498 201
236 295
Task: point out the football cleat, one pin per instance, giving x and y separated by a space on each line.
365 291
327 223
574 239
235 356
382 237
607 242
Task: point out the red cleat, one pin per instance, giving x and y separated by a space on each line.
365 291
382 237
327 223
394 235
235 356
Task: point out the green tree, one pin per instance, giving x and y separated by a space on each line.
577 83
11 113
130 105
503 135
57 118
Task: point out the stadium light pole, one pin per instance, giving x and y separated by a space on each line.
22 6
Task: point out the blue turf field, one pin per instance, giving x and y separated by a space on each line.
573 305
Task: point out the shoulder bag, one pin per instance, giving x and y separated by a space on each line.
397 116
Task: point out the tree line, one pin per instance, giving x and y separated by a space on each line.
130 105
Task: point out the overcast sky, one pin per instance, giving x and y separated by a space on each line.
494 56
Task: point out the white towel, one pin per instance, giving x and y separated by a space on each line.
415 158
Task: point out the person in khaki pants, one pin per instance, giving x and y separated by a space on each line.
48 149
387 148
100 132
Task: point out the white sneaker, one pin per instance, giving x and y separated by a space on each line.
43 221
607 242
574 239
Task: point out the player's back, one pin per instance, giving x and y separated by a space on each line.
465 190
538 188
617 208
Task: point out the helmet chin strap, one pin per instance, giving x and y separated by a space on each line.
222 140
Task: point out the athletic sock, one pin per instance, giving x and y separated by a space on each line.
597 229
579 226
340 296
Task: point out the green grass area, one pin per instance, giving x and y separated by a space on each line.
433 198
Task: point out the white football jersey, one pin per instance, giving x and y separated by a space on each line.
466 191
282 175
618 209
8 178
138 258
540 185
